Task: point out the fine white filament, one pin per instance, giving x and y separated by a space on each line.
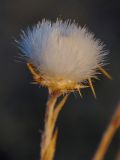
62 50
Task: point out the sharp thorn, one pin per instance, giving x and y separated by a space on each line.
105 72
91 86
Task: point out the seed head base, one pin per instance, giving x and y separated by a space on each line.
55 85
60 85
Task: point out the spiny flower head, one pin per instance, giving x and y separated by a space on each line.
62 55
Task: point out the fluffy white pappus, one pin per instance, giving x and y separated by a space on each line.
63 50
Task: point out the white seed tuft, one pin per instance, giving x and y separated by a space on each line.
62 50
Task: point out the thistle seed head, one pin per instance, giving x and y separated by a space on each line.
62 55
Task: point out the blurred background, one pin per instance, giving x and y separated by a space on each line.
22 104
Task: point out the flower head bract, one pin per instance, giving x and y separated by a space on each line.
63 56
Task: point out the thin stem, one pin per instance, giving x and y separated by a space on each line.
108 135
117 157
49 135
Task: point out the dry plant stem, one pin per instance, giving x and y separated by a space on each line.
49 135
118 155
108 135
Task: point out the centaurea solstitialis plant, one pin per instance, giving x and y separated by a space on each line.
63 57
